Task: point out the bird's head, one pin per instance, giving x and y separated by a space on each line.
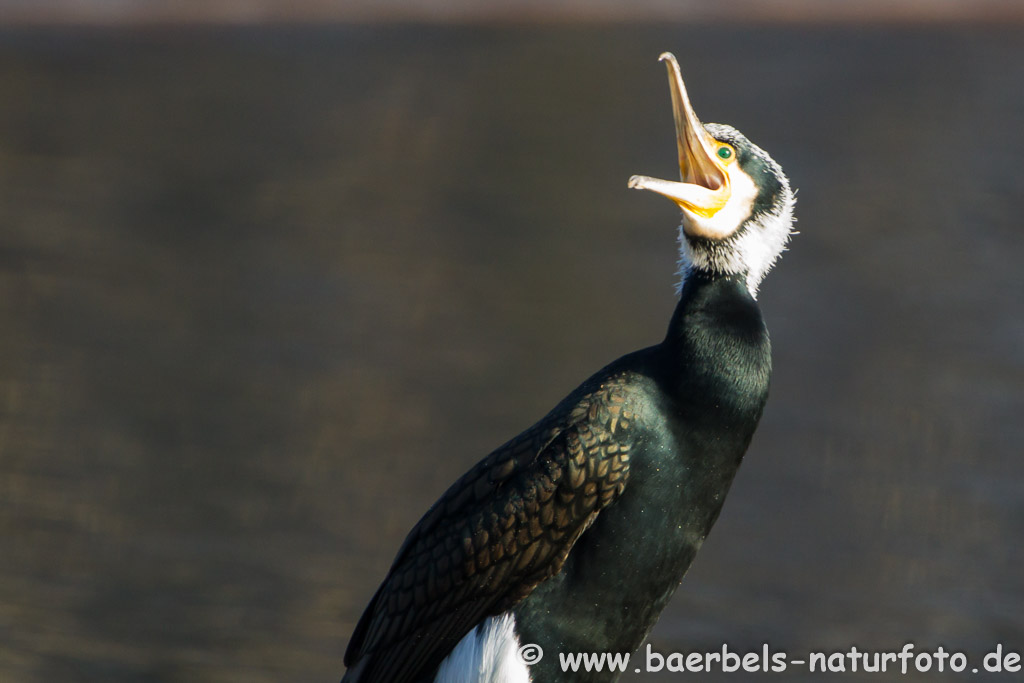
736 201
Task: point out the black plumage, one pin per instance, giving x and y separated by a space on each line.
582 526
668 425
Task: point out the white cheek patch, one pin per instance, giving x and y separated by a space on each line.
754 250
728 219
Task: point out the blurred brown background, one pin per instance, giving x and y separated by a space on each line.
119 12
266 290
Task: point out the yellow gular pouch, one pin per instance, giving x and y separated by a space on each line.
719 222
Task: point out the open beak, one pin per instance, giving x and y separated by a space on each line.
704 189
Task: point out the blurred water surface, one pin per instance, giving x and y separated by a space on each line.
264 293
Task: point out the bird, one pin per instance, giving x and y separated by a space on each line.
573 536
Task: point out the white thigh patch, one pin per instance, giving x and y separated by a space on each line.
487 654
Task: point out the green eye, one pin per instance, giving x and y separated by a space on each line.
724 153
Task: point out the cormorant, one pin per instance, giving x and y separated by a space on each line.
574 535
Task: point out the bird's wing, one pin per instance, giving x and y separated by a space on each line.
504 527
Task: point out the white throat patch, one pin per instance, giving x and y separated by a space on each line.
746 236
725 221
752 250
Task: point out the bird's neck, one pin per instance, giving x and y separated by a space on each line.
717 345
